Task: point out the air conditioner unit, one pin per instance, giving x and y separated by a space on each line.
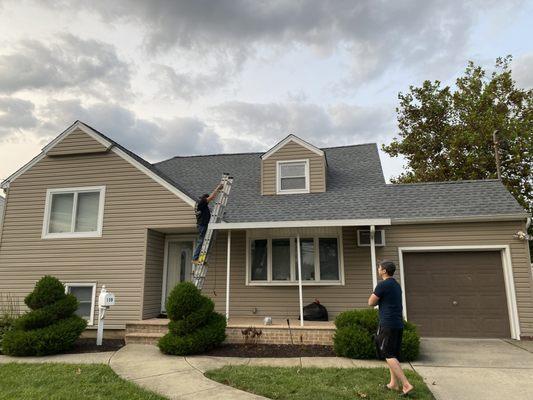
363 237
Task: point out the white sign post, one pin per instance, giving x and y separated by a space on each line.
105 300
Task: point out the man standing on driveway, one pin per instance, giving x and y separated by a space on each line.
203 215
388 296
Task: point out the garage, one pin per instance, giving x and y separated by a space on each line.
456 294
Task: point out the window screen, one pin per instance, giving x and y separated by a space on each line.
292 176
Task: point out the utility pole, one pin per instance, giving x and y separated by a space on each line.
497 153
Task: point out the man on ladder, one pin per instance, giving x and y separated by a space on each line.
203 216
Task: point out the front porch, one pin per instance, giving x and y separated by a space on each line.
312 333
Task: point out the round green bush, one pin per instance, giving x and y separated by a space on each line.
194 326
353 342
355 331
50 327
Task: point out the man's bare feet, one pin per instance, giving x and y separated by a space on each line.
390 386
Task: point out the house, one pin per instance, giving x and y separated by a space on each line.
91 212
2 201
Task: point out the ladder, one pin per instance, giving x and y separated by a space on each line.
199 271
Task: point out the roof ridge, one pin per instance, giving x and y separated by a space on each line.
350 145
459 181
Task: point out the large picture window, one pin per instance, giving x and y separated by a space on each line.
293 177
274 260
76 212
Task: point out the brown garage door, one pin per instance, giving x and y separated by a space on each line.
456 294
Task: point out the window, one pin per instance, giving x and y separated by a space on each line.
85 293
274 261
363 237
74 212
293 177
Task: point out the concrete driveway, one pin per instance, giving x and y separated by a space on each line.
477 369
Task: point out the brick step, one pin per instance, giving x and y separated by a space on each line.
143 338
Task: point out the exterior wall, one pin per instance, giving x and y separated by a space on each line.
133 203
306 336
78 142
293 151
282 301
483 233
153 274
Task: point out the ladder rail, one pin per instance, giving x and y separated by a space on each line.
199 271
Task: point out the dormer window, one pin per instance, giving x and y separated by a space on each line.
293 176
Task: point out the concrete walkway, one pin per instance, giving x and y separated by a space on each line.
472 369
83 358
182 377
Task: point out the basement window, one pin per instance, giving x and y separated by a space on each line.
85 293
292 177
74 212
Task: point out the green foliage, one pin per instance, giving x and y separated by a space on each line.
446 134
194 327
353 342
47 291
9 311
354 336
51 327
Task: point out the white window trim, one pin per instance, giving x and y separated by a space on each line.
294 281
278 177
507 265
65 235
93 298
359 244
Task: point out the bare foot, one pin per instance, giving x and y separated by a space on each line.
390 386
407 389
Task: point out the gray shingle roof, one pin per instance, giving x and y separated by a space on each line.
356 189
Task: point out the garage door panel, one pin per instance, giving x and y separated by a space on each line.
456 294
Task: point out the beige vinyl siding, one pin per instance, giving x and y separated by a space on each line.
462 234
78 142
294 151
282 301
133 203
153 274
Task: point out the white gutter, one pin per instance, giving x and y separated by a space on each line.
301 224
444 220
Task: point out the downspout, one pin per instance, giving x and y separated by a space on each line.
373 255
3 216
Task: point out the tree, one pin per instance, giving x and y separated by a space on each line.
447 134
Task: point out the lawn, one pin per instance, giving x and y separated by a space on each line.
66 381
315 383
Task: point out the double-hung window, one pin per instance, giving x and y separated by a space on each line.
293 176
85 293
75 212
274 260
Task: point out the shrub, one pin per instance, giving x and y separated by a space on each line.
354 336
9 311
50 327
194 327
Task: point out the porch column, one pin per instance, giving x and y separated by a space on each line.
300 280
373 255
228 263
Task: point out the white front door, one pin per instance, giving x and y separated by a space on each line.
178 265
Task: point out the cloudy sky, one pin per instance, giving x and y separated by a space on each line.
169 78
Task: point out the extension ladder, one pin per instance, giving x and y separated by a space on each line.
199 271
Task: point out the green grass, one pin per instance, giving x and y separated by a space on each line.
66 381
315 383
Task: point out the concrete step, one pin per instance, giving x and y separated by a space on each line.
143 338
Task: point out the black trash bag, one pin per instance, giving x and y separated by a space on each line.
315 312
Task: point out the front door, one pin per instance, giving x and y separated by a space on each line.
179 265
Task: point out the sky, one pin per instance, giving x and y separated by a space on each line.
167 78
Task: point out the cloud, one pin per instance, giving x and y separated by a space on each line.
336 125
375 34
15 116
154 140
70 63
523 71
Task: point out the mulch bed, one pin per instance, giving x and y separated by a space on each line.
89 346
271 350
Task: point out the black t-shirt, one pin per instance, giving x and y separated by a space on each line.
390 303
203 214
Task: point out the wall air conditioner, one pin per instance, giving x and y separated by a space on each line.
363 237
